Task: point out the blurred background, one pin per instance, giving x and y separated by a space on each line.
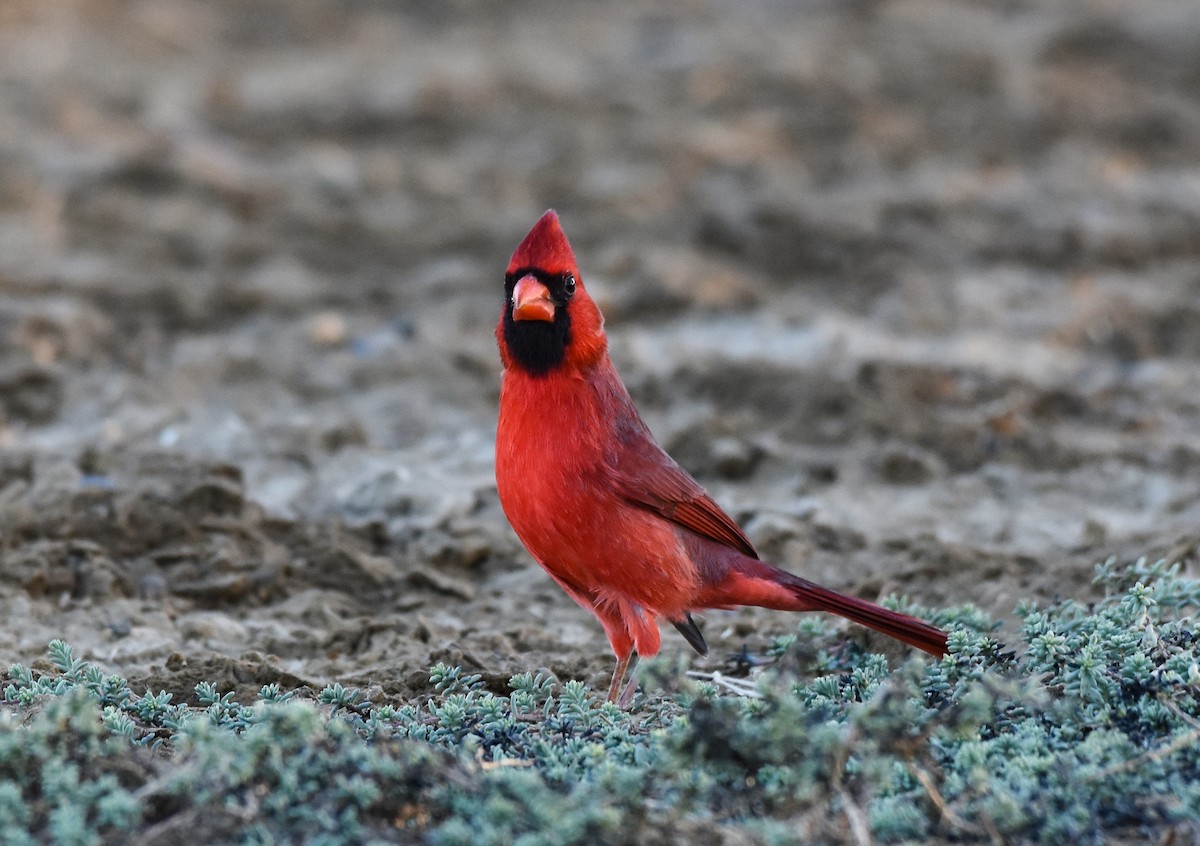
912 286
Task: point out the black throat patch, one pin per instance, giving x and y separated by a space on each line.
537 346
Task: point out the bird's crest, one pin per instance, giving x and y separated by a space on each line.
544 248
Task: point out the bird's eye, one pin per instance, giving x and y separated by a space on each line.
569 284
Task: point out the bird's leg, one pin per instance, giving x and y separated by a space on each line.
619 674
630 688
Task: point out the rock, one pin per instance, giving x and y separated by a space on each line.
902 466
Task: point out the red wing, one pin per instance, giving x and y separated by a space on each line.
647 476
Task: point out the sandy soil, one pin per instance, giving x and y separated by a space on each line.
913 287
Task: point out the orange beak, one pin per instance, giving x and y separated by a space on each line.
531 300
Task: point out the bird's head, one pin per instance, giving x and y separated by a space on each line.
548 323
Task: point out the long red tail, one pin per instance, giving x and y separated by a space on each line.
902 627
755 582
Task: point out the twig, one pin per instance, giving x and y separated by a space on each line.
743 688
935 796
854 816
1182 714
504 762
1157 754
859 827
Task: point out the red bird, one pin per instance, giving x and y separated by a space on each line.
626 532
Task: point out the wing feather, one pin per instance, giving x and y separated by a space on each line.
646 476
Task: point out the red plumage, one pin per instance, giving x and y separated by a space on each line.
625 531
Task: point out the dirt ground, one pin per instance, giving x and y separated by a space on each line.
912 287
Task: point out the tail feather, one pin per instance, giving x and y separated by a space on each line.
902 627
749 581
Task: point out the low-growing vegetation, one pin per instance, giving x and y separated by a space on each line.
1087 729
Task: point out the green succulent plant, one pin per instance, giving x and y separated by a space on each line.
1088 729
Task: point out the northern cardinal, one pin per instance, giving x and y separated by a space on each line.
626 532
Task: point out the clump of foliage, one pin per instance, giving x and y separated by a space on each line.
1089 730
